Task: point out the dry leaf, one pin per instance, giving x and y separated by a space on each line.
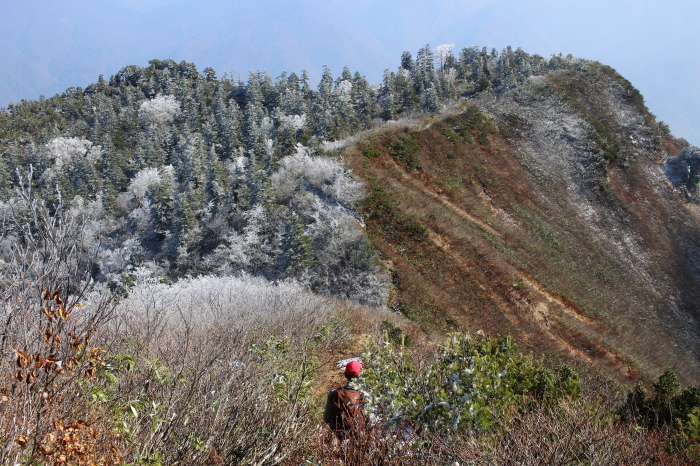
23 359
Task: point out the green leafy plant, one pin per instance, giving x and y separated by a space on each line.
472 382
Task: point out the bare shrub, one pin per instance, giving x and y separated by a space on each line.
218 367
570 433
50 312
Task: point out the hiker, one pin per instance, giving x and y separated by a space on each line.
345 412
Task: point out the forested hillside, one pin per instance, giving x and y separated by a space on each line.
184 174
196 225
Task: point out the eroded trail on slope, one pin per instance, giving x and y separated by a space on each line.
496 295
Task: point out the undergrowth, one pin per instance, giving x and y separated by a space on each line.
230 371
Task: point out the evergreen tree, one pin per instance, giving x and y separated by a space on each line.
322 106
297 252
229 120
424 75
506 69
344 118
6 175
254 116
431 101
523 67
407 61
387 96
216 182
363 101
161 199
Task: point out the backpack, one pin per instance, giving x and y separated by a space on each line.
347 409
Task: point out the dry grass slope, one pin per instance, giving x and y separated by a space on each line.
542 214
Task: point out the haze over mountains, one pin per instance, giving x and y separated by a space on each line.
47 46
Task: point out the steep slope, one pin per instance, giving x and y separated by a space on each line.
542 213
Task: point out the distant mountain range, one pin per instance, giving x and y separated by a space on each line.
48 46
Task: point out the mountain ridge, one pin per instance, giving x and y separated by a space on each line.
535 204
368 37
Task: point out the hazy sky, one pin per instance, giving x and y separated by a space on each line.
144 5
48 45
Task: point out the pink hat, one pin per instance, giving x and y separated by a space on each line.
353 369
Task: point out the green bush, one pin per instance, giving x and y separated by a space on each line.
369 151
403 149
473 382
666 406
395 334
450 134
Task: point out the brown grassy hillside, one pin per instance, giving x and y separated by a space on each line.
543 214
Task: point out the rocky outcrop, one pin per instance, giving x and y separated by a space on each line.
683 171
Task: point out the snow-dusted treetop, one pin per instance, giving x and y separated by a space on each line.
61 150
143 180
442 52
160 109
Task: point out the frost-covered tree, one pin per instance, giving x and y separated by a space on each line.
362 99
142 182
254 117
345 120
322 109
290 131
431 99
73 166
407 61
424 70
444 56
161 109
387 96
